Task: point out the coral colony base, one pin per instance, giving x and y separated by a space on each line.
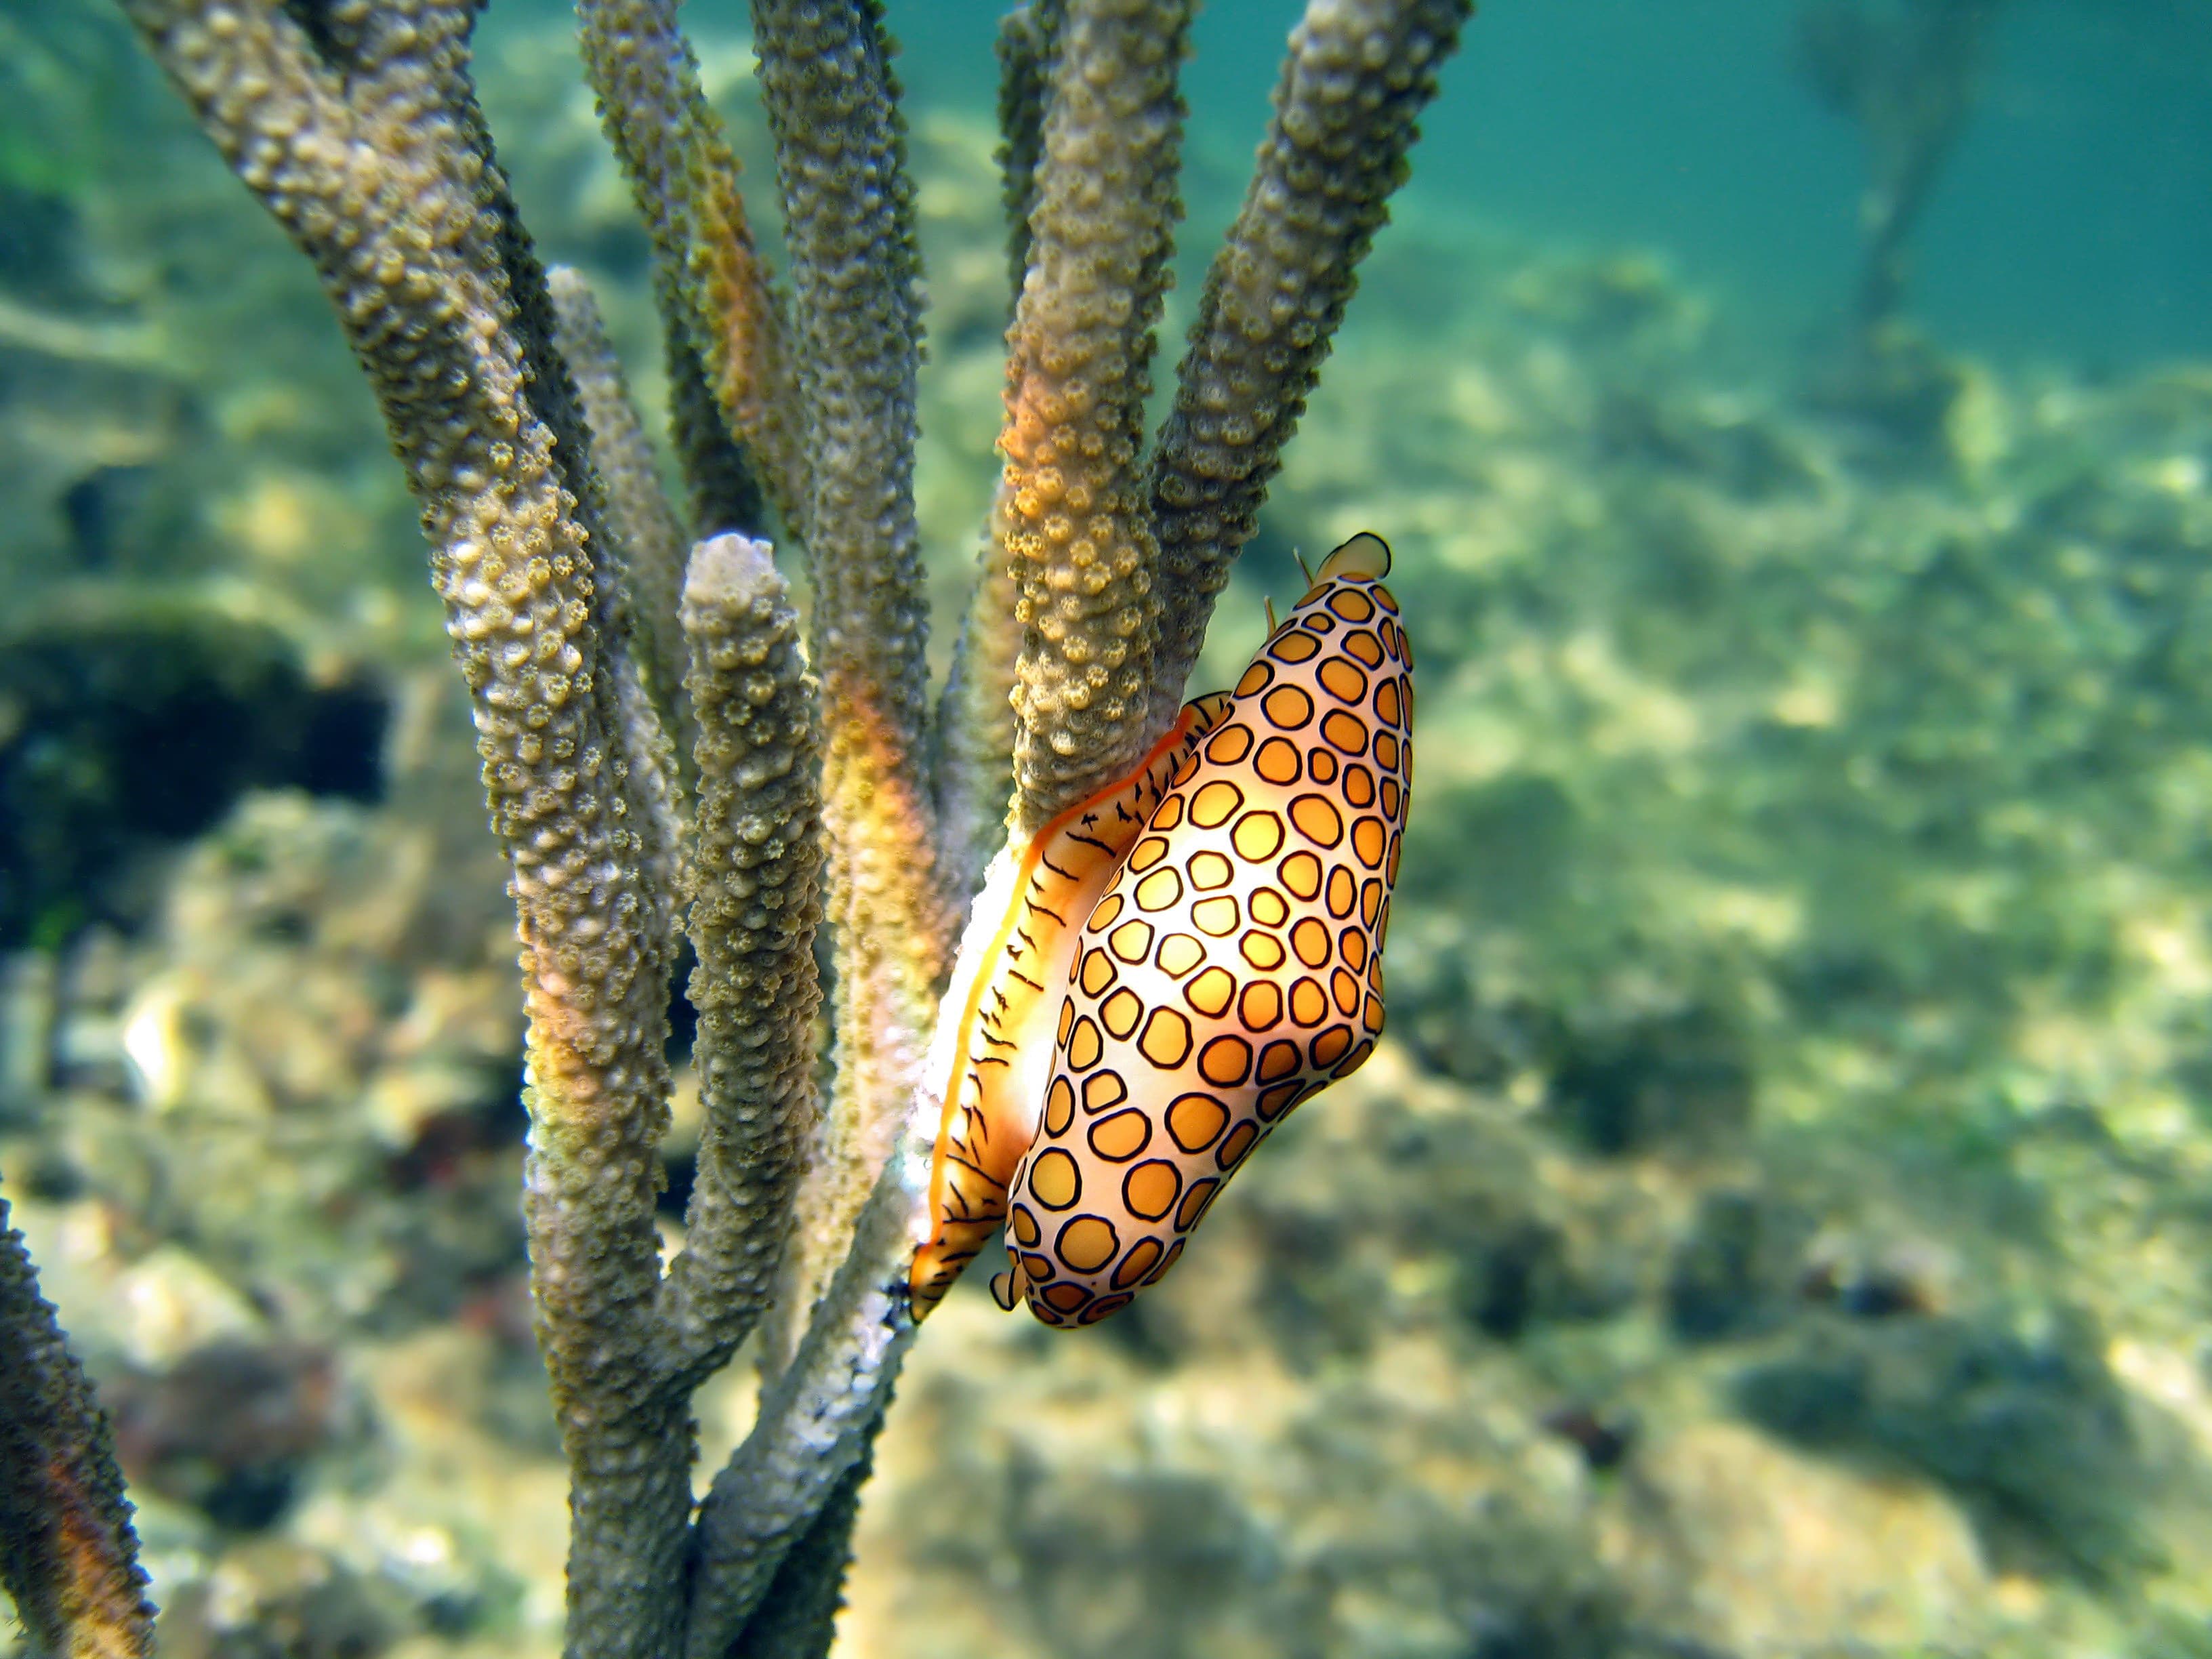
813 787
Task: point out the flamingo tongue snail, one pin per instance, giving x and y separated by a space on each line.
1170 967
999 1012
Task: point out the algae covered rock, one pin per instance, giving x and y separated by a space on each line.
2029 1427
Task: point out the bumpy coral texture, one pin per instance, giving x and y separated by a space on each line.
755 902
67 1556
355 123
848 205
710 282
1358 75
646 545
365 142
1078 534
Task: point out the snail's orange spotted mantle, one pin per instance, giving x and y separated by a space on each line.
1153 980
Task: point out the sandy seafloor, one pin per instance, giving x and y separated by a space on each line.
1777 1224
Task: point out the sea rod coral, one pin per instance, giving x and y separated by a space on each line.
661 755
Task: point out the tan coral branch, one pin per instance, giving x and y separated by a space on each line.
1076 526
1359 74
709 279
376 166
68 1557
831 103
644 540
755 904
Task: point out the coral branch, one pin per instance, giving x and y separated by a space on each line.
754 909
977 727
797 1614
722 484
643 534
640 559
377 167
827 86
1029 51
1076 534
722 322
816 1422
68 1555
975 724
1358 75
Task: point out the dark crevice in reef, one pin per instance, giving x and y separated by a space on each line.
128 723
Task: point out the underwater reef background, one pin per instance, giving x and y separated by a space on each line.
1778 1222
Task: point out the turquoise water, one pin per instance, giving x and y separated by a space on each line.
2071 226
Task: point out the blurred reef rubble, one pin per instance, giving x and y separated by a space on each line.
1777 1226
